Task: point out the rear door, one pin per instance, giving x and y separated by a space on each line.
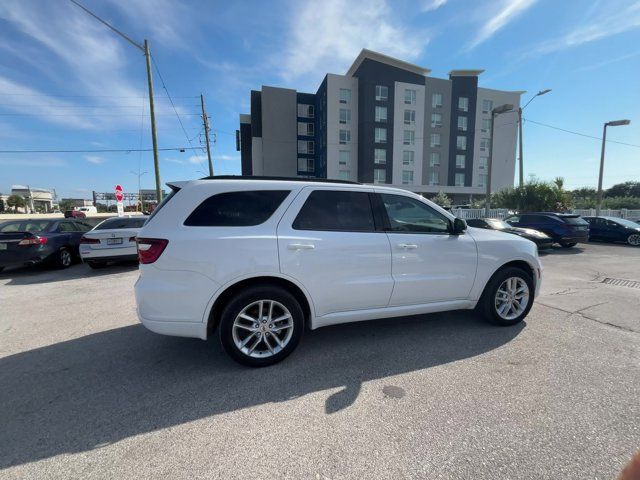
327 241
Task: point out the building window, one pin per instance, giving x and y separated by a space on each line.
306 111
381 114
408 158
436 100
436 120
379 175
409 137
407 177
487 106
463 104
459 179
482 180
409 96
344 157
434 159
345 137
345 115
345 95
306 165
344 174
484 144
462 124
484 162
380 135
380 156
382 93
305 129
486 125
409 117
306 146
434 178
435 140
461 142
460 161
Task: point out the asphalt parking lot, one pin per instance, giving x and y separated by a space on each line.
87 392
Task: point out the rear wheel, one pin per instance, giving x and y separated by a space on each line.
64 258
508 297
568 244
261 326
634 239
94 264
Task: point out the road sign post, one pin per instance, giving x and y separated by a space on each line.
119 197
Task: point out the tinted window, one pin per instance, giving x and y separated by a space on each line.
476 222
26 226
236 209
114 223
67 227
83 227
574 220
407 214
513 219
336 211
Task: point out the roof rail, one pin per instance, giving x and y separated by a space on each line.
287 179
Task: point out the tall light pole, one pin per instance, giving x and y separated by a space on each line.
520 154
507 107
145 49
615 123
139 174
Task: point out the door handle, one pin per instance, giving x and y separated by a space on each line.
301 246
408 246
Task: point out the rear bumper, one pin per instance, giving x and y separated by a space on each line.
176 329
29 256
575 238
124 253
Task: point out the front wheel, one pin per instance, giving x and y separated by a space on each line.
568 244
634 239
261 326
508 297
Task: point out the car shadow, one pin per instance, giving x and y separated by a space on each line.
45 274
82 394
559 250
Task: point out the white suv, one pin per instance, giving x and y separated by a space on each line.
259 259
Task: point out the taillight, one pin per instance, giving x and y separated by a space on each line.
33 241
150 249
84 239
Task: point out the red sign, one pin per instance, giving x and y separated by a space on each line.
119 194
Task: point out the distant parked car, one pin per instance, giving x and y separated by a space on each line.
30 242
74 214
612 229
111 240
542 240
564 228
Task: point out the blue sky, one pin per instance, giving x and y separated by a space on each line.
67 82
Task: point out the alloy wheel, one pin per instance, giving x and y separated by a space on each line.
262 329
512 298
65 258
634 239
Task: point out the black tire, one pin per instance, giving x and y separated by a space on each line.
487 306
244 299
568 244
632 240
64 258
95 265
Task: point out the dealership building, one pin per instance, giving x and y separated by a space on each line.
384 122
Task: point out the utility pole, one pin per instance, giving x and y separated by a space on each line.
521 161
205 121
145 49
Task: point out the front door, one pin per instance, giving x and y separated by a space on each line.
327 241
429 264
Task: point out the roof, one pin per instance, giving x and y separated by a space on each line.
465 73
382 58
281 179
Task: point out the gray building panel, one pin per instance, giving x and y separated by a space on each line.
279 131
462 86
443 87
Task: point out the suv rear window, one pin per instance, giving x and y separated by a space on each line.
332 210
236 209
574 220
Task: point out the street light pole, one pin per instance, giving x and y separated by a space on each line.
520 148
615 123
494 113
139 174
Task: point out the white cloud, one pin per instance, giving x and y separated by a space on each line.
96 160
508 10
429 5
226 157
327 38
612 19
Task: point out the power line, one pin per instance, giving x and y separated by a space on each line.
108 150
39 114
84 96
581 134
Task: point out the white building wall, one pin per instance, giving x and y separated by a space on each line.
398 132
334 84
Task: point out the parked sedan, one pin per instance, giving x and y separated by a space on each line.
542 240
30 242
612 229
564 228
111 240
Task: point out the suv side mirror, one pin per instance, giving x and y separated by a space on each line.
459 226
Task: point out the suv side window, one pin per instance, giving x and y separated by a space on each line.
236 209
335 210
407 214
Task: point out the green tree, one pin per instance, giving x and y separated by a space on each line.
442 199
1 203
534 196
65 205
16 201
626 189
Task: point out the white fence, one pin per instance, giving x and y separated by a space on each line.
469 213
623 213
